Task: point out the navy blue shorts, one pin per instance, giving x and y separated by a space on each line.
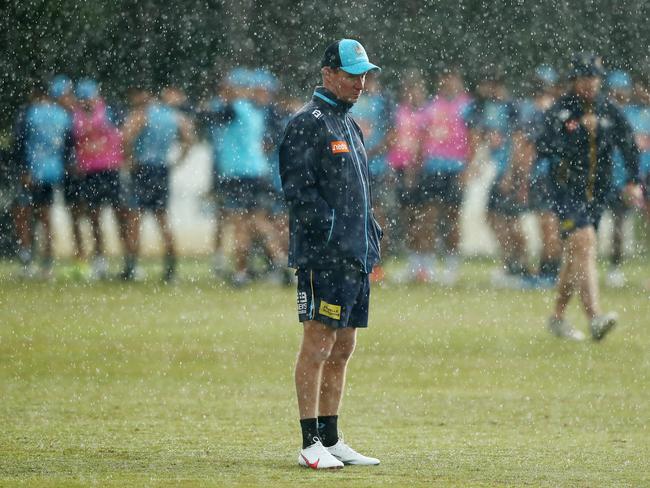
442 189
101 188
41 194
540 197
151 186
335 297
244 194
72 189
577 215
503 203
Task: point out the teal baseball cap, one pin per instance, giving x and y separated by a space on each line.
348 55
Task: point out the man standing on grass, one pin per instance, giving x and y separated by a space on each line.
582 130
334 244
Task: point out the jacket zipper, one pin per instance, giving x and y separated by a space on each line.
329 236
365 195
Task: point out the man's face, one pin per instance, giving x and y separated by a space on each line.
587 87
345 86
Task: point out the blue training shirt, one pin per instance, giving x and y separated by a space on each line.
495 116
371 113
47 131
159 133
241 153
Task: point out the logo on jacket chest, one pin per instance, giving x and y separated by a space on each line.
338 147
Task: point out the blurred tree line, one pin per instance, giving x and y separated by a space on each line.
191 43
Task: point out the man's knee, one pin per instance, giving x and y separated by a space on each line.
344 346
318 341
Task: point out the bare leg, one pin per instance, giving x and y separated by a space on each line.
43 216
76 215
579 273
333 375
317 343
241 225
96 231
23 222
552 247
165 230
265 229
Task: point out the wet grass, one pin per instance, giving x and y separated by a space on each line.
191 385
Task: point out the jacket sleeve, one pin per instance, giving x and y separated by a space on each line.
300 155
548 139
624 135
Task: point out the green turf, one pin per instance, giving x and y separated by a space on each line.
131 385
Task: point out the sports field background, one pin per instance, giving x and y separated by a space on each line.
115 384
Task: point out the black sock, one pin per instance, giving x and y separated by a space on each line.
309 431
327 430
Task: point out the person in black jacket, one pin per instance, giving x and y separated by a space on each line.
333 244
581 132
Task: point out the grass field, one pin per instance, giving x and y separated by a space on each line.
191 385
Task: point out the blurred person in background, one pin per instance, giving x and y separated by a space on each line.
244 176
213 116
492 118
539 198
150 131
581 132
99 156
373 114
276 116
641 127
404 158
446 154
619 85
43 145
62 90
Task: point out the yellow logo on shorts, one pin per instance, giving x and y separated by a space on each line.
329 310
568 224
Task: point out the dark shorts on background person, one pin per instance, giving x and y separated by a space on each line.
540 198
72 189
101 188
151 187
616 202
574 215
127 199
246 194
41 194
441 189
337 298
504 203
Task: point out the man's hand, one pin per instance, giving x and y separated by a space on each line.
633 195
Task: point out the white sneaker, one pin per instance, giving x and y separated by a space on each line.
615 278
602 324
100 268
562 328
347 455
317 457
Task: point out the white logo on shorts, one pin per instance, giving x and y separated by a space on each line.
317 113
302 302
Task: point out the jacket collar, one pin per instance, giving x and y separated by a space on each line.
325 97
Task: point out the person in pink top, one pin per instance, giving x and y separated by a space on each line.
98 151
445 155
403 156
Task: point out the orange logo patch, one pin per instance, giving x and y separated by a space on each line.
339 147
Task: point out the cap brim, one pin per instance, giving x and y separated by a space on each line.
360 68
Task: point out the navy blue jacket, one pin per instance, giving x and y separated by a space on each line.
324 172
583 168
